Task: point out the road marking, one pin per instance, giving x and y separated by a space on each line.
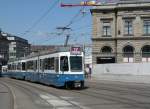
66 98
67 108
78 104
45 97
40 102
58 103
55 101
73 102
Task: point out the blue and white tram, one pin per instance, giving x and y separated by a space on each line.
16 69
58 69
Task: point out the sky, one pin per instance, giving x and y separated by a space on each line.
37 20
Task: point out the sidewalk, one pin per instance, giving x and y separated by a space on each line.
122 78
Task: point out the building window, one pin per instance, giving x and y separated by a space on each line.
128 53
146 27
128 27
146 53
106 29
14 48
12 54
106 49
13 43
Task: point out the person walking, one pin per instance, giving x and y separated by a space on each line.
86 72
90 71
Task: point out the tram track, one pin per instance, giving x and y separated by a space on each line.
118 99
96 92
29 89
123 89
11 95
129 86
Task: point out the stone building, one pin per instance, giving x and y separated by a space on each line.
121 32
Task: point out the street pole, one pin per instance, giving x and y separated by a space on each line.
84 58
67 36
67 39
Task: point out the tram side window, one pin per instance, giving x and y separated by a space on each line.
19 66
56 65
64 63
41 64
46 66
13 66
49 64
52 63
35 65
9 67
23 66
30 65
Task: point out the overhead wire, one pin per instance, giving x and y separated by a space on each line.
79 34
83 16
74 17
40 18
88 26
84 40
72 21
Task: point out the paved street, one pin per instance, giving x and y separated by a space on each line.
6 97
96 95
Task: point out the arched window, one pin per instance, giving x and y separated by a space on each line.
128 53
146 53
106 49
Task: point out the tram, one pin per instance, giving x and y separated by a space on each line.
60 68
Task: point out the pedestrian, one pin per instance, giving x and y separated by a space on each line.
86 72
90 71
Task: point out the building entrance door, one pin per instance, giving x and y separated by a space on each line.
105 60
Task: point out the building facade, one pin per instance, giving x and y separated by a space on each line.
121 32
42 48
88 55
4 47
18 47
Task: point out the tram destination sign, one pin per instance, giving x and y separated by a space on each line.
75 50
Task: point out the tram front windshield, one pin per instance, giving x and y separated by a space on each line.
76 63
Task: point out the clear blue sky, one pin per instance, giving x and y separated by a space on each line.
17 16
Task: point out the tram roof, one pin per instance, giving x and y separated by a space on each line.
56 50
